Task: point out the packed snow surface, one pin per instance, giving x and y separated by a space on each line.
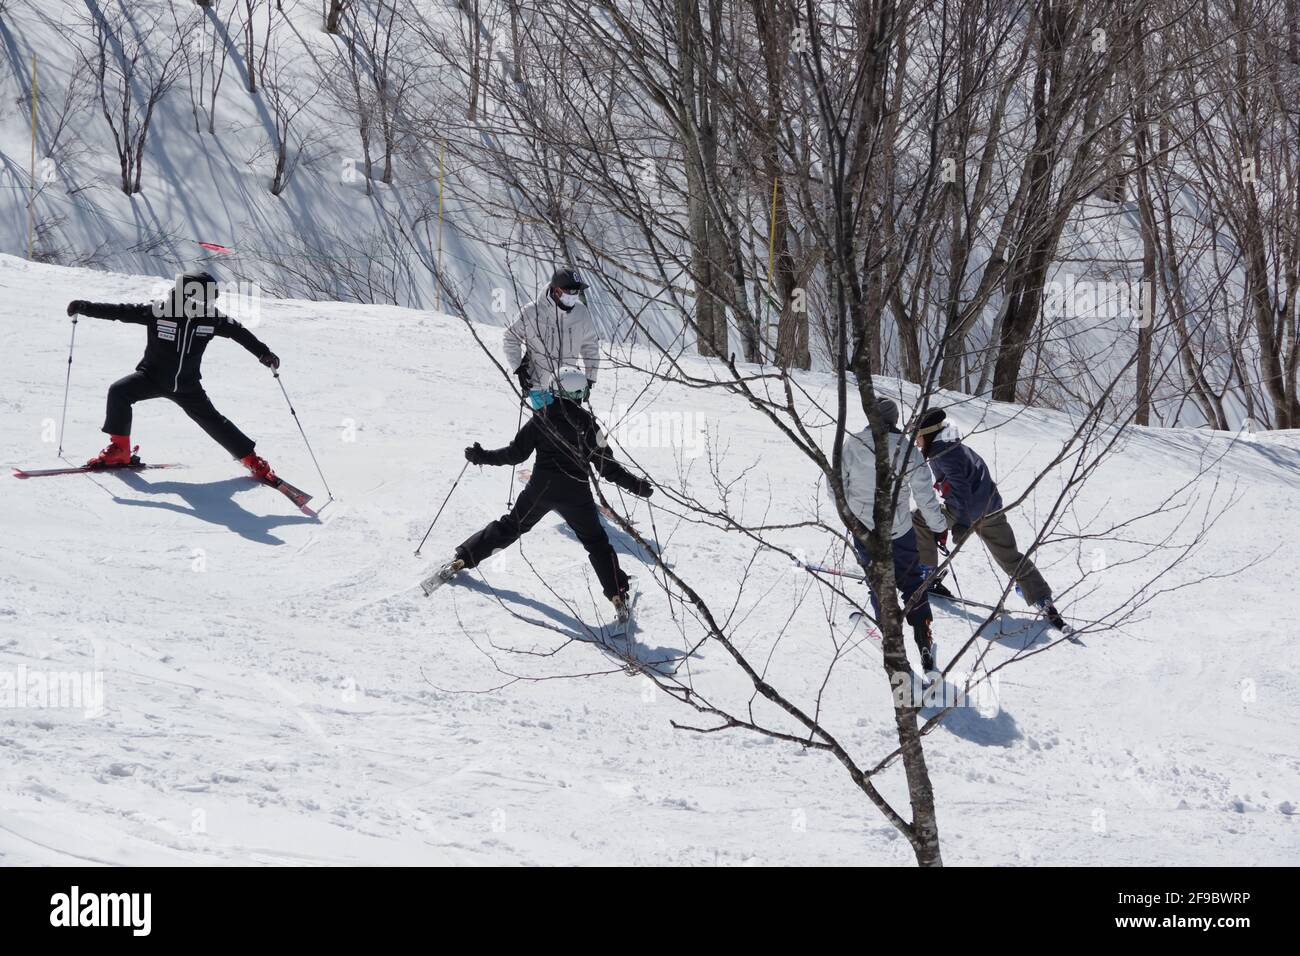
275 688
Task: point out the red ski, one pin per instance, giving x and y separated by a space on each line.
296 495
87 469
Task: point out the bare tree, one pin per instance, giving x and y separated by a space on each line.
374 76
648 144
133 62
254 65
1245 154
287 95
203 38
1142 118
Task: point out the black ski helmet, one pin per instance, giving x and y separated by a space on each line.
202 285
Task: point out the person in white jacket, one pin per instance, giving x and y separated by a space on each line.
858 472
552 332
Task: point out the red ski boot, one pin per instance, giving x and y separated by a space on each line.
116 455
258 467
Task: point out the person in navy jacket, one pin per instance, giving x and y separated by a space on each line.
972 504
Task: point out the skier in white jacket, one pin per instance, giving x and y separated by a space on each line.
551 332
858 472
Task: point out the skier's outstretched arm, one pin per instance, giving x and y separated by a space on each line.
611 470
230 329
133 312
513 454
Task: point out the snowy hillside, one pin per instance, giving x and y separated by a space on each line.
276 689
471 201
325 234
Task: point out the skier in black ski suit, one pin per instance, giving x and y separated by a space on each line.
180 328
564 436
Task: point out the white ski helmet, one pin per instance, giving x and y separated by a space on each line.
569 382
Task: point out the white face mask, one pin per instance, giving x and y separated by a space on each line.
568 300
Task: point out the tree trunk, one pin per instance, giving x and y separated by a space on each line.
332 16
1041 219
701 147
281 160
1024 302
1147 228
792 323
925 822
710 315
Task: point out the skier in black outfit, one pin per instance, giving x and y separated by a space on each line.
564 436
180 328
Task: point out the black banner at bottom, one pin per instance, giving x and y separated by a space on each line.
335 906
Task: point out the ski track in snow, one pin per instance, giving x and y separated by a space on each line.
277 691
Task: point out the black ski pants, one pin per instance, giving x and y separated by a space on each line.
194 402
907 578
544 493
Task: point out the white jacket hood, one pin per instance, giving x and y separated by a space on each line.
949 432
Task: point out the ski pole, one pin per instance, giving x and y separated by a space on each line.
839 572
957 584
654 530
66 382
952 569
444 504
294 412
510 492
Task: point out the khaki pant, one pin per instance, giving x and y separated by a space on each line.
998 538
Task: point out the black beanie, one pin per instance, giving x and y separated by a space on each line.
884 409
931 421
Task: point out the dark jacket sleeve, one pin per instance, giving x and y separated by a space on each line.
119 312
518 450
609 469
230 329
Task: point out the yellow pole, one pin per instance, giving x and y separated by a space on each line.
31 198
437 289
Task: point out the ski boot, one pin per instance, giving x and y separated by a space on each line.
1054 616
258 467
622 610
929 649
442 576
118 454
936 586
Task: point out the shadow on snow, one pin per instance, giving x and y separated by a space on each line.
662 660
213 502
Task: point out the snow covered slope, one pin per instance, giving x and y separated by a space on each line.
329 237
214 188
276 689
